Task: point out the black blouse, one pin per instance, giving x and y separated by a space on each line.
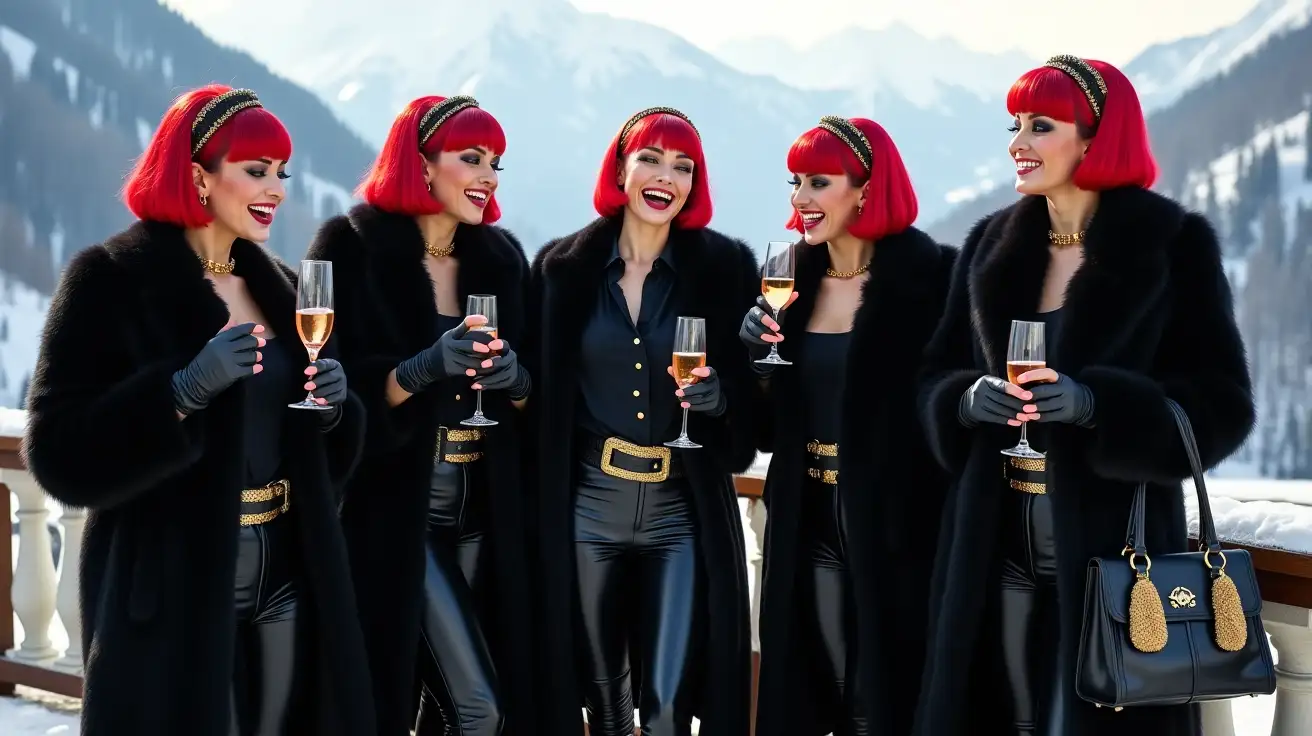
1037 433
267 395
625 390
822 366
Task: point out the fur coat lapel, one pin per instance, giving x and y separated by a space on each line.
1123 276
172 282
489 264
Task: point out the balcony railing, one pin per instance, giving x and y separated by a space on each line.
42 587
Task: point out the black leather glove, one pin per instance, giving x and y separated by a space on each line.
451 355
987 400
753 329
328 382
1065 401
506 373
705 395
227 358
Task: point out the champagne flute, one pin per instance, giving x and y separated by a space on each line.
777 287
484 305
689 353
1024 353
314 315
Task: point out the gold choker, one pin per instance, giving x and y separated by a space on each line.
846 274
214 267
1061 240
442 252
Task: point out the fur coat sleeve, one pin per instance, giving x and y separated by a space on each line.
744 393
366 361
95 387
1200 363
950 367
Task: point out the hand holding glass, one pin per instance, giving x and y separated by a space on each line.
777 287
484 305
314 315
689 354
1024 353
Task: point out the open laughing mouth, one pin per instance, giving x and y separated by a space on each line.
263 213
811 218
658 199
1026 166
477 196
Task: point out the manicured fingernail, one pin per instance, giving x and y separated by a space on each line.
678 392
469 372
481 348
1030 408
684 405
258 328
496 345
1027 396
258 356
259 342
257 368
322 401
309 386
478 387
487 364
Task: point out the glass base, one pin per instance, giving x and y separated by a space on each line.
772 360
683 442
309 405
1024 450
478 420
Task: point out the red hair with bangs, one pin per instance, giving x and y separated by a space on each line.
395 183
1119 151
665 131
160 186
891 205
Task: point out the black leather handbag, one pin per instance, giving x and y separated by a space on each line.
1173 628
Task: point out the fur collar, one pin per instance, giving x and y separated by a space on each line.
491 262
164 270
1123 276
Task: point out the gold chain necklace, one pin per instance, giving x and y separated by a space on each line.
214 267
442 252
846 274
1062 240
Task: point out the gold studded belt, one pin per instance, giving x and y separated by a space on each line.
262 505
822 462
458 445
624 460
1028 475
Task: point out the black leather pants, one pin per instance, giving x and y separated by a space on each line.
1028 608
639 581
459 693
825 603
265 593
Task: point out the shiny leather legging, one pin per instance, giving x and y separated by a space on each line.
1028 608
265 593
459 684
825 604
640 580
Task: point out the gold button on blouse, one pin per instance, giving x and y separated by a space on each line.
637 366
457 397
641 415
637 393
637 341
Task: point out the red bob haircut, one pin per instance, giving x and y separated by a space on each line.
1119 151
160 186
663 131
890 205
395 183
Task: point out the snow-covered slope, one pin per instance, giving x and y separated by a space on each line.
22 314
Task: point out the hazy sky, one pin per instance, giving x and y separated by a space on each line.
1112 30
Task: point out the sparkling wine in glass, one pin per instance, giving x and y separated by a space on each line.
314 315
486 306
1024 353
777 287
689 354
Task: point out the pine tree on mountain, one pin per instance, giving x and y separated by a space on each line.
4 328
22 391
1268 172
1307 147
1274 236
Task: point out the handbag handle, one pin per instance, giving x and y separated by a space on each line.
1208 541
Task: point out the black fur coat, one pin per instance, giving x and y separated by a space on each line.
891 493
720 282
1149 315
386 314
160 548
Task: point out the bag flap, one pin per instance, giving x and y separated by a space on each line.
1183 582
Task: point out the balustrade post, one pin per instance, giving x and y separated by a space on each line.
66 600
1218 718
1290 628
33 592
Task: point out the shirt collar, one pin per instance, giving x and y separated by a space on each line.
667 255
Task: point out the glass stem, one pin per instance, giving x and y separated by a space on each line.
774 346
478 404
683 433
1024 442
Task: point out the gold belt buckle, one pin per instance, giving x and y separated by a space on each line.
651 453
267 493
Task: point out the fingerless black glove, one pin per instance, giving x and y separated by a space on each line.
227 358
451 355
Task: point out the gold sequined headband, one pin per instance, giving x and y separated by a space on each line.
440 113
624 132
1095 89
217 112
852 136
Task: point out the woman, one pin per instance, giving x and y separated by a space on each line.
843 608
643 578
433 517
1136 310
150 408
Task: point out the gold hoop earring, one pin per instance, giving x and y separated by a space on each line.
430 187
203 200
859 209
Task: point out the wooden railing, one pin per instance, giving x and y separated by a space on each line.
39 589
